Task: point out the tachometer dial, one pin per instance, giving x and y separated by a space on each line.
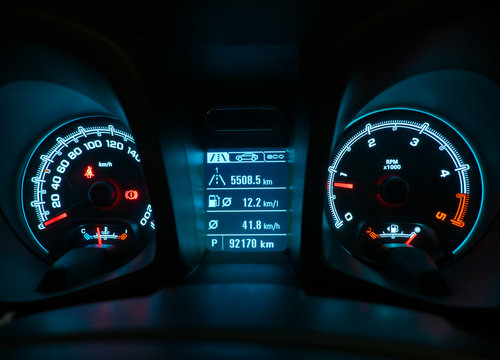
404 178
84 186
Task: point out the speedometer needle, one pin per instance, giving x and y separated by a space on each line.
55 219
82 204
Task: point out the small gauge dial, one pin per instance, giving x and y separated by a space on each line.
83 186
404 177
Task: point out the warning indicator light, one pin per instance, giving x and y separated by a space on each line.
372 234
131 195
89 172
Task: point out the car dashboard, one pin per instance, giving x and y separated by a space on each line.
280 179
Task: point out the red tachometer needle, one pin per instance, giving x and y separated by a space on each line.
360 187
343 185
55 219
99 239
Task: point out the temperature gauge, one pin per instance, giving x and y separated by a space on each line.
105 235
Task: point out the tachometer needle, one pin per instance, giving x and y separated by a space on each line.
361 187
343 185
55 219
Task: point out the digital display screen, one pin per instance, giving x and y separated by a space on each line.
246 200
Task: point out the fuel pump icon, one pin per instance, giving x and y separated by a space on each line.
393 228
213 201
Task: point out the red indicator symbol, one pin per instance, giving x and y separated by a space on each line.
131 194
372 234
122 236
343 185
89 173
55 219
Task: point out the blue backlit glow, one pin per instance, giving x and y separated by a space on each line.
246 203
465 243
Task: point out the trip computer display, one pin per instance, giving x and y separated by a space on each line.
246 200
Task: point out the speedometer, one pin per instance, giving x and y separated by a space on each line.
404 178
83 186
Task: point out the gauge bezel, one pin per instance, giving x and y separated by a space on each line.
341 139
35 243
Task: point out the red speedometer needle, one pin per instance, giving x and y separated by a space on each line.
343 185
99 239
70 211
55 219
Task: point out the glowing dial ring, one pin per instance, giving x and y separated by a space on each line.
79 174
404 166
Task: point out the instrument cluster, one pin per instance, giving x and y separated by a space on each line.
395 186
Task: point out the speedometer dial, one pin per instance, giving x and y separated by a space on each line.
404 178
84 186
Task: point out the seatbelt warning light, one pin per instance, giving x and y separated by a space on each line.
89 172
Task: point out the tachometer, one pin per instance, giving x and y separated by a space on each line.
83 186
404 178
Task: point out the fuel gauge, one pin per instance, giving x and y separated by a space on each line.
375 235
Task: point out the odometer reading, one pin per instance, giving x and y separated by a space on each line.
407 178
246 200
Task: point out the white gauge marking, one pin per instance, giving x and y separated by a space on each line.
61 141
424 127
46 158
81 129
